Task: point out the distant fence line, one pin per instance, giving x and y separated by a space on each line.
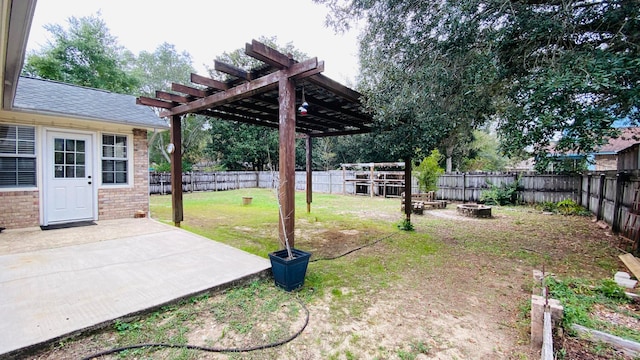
610 196
347 182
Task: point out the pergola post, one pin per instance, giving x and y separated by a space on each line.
176 170
407 188
287 159
309 145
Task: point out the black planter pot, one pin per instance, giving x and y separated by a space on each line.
289 273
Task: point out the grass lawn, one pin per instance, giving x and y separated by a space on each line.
455 288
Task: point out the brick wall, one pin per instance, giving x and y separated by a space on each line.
20 209
118 203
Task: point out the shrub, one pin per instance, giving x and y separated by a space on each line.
506 194
428 171
570 207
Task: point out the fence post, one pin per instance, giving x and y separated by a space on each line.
615 226
464 188
344 181
258 179
601 198
588 206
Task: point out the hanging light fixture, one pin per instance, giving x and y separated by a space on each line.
303 109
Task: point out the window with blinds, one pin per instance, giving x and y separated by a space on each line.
17 156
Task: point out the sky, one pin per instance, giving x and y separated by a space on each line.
207 28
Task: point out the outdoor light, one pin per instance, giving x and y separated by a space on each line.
171 148
303 108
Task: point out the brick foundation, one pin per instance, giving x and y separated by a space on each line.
21 209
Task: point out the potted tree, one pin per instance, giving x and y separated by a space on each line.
288 265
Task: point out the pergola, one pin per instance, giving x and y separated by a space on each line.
268 95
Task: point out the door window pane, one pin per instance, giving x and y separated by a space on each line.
72 156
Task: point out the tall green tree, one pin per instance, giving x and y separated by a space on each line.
570 69
557 71
84 53
157 70
422 71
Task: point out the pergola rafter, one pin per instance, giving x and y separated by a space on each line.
267 96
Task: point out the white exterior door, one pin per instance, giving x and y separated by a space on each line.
69 184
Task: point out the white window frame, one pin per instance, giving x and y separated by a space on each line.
34 156
129 160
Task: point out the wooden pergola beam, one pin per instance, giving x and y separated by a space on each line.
147 101
336 108
163 95
340 133
335 87
208 82
189 90
260 51
246 90
232 70
274 58
238 118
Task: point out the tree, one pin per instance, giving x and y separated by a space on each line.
84 54
157 70
237 146
429 171
483 154
423 73
555 70
570 69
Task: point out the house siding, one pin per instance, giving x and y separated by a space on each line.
118 203
24 209
606 162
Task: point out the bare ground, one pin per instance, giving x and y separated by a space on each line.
466 303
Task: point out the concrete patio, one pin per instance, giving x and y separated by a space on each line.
57 283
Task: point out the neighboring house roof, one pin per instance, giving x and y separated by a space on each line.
56 98
628 137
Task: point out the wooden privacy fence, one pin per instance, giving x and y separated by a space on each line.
532 188
347 182
331 182
610 196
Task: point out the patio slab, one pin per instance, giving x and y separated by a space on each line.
57 283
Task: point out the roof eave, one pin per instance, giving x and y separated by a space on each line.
132 124
20 18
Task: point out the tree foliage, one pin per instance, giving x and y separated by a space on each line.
158 69
428 172
422 72
569 70
553 71
84 54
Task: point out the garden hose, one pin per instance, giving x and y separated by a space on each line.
356 249
234 350
205 348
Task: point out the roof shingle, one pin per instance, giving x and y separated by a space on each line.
52 97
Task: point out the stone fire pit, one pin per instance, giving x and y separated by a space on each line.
474 210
